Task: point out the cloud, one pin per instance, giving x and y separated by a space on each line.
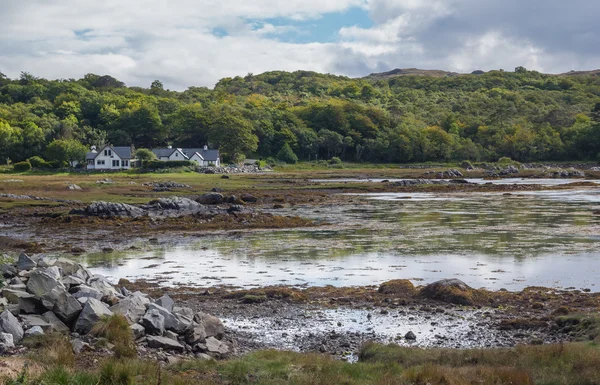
138 41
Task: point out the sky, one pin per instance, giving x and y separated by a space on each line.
187 43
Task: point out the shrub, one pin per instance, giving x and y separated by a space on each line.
335 160
57 164
466 165
158 164
286 154
116 330
22 166
144 155
37 162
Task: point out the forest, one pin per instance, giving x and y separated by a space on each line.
290 116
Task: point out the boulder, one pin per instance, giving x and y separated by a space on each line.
215 346
138 331
171 321
249 198
9 324
34 331
30 321
91 313
398 287
64 305
42 281
100 283
166 302
176 203
410 336
72 281
113 209
210 199
54 272
213 326
184 311
8 271
73 187
31 306
158 342
55 323
67 266
6 342
132 308
196 334
83 291
13 296
154 322
452 291
25 263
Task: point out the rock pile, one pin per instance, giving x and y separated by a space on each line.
46 294
569 173
496 172
449 174
165 186
231 170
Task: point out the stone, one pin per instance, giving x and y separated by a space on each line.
215 346
91 313
203 356
410 336
184 311
171 335
55 272
113 209
166 302
72 281
79 346
212 325
158 342
196 334
9 324
398 287
138 331
103 286
67 266
13 296
73 187
249 198
8 271
6 342
46 261
185 205
82 273
132 308
171 322
64 305
42 281
30 321
154 322
34 331
55 323
31 306
212 198
450 290
25 263
84 291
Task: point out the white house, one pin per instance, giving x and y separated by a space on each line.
202 156
110 158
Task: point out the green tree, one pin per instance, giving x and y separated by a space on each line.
232 134
144 155
10 138
68 150
286 154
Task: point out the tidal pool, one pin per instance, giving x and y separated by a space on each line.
492 240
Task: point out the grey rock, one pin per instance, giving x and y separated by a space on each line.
30 321
112 209
55 323
8 271
210 199
196 334
25 263
171 322
9 324
31 306
83 291
79 346
176 203
171 335
184 311
166 302
91 313
13 296
64 305
103 286
132 308
42 281
67 266
73 187
212 325
46 261
213 345
249 198
138 331
72 281
158 342
54 272
6 341
34 331
154 322
410 336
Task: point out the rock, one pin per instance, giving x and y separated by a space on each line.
46 261
158 342
187 206
83 291
203 356
196 334
79 346
25 263
212 198
72 281
55 323
166 302
171 321
398 287
138 331
215 346
91 313
9 324
132 308
167 185
67 266
73 187
235 209
105 181
249 198
213 326
8 271
113 209
410 336
30 321
64 305
34 331
171 335
31 306
452 291
6 342
154 322
13 296
184 311
100 283
42 281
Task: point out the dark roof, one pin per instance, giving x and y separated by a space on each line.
91 155
207 155
163 152
123 152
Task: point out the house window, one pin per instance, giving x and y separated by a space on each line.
100 163
115 163
177 154
125 163
91 162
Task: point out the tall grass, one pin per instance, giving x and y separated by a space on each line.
115 329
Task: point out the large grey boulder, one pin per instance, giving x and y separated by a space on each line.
166 302
184 311
132 308
9 324
42 281
72 281
6 342
212 325
210 199
154 322
13 296
196 334
25 263
64 305
184 205
215 346
92 312
83 291
112 209
100 283
158 342
31 306
67 266
173 322
55 323
30 321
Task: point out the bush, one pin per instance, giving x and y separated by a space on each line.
466 165
22 166
335 160
37 162
286 154
116 330
158 164
57 164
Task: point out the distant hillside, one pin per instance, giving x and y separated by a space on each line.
412 72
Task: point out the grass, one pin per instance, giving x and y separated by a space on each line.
569 364
116 330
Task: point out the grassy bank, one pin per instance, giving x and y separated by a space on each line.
570 364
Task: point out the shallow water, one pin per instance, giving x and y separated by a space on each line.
504 181
546 238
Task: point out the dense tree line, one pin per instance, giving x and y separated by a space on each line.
524 115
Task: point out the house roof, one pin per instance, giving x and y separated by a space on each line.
207 155
163 152
123 152
91 155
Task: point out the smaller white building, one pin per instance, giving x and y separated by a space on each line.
169 153
202 156
110 158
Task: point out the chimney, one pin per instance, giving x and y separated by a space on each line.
205 147
93 148
169 147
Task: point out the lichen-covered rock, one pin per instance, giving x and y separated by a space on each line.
62 304
166 302
176 203
210 199
402 287
113 209
132 308
42 281
452 291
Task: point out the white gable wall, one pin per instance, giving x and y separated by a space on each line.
108 159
